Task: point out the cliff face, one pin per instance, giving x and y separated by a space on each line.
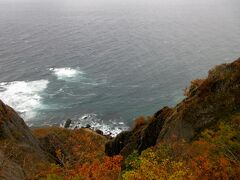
210 100
207 101
13 128
19 150
140 138
26 154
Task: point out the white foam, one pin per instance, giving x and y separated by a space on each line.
110 127
65 73
23 96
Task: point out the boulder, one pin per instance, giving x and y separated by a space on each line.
99 131
88 126
67 123
139 138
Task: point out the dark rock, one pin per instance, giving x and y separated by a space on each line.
99 131
88 126
115 146
139 138
152 130
84 117
67 123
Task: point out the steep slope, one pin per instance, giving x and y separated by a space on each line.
215 154
20 153
208 100
12 127
31 154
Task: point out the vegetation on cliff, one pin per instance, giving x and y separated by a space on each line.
79 154
215 155
207 102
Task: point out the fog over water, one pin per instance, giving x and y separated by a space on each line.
105 62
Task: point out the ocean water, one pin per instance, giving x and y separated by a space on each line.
105 62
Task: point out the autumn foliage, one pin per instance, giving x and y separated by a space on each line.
141 121
107 169
214 155
82 145
80 155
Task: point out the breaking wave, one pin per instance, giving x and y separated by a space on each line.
23 96
66 73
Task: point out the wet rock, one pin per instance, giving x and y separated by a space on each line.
88 126
67 123
85 117
99 131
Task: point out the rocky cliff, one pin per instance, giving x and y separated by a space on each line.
207 101
19 150
26 154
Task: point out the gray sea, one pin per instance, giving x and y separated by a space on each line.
105 62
